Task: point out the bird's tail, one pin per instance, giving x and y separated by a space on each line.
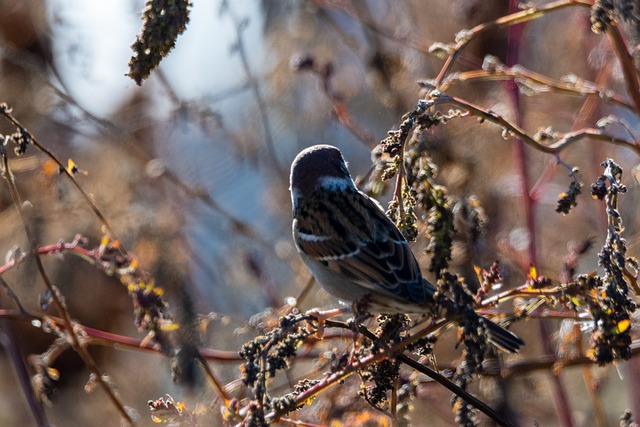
500 337
497 335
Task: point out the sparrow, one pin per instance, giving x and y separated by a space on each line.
356 253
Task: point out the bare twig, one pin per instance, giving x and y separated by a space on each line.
8 342
6 111
627 64
569 85
507 20
324 73
240 25
55 295
512 130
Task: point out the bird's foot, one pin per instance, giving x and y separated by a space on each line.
322 316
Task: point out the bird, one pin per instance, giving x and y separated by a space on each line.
358 254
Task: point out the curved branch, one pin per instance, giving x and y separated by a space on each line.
512 130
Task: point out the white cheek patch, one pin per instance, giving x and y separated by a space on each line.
336 184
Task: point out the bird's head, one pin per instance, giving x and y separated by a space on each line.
320 167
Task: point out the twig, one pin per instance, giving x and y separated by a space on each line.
8 342
240 25
6 111
511 19
216 383
403 40
340 109
436 376
55 295
575 87
357 365
477 403
627 64
512 130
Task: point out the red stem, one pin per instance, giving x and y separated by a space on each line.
627 64
513 53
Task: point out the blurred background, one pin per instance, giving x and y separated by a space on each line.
191 171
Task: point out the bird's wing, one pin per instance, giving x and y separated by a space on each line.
352 237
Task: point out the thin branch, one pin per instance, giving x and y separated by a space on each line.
239 26
8 342
511 130
6 111
627 64
569 85
324 73
357 365
55 295
216 383
526 15
440 379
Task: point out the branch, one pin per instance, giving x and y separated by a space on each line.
56 297
568 85
627 63
526 15
511 130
